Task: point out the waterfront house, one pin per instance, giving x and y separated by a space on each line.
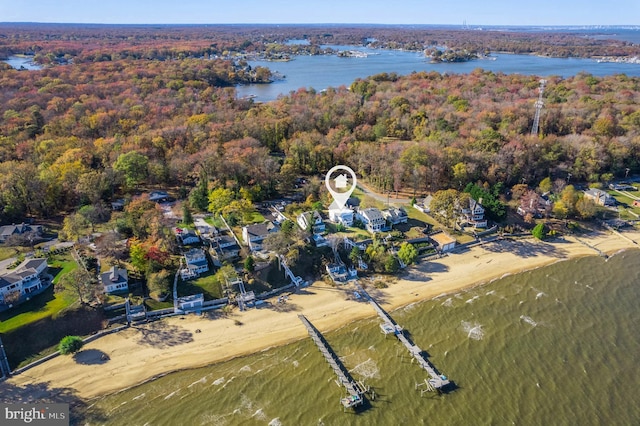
473 215
443 241
196 261
395 215
254 235
373 220
600 197
311 221
226 246
343 216
23 281
115 280
191 302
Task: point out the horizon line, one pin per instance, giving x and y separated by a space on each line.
467 26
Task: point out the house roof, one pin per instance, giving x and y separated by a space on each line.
114 275
194 255
443 239
372 214
261 229
34 263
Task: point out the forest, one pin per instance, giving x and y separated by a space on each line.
61 43
87 132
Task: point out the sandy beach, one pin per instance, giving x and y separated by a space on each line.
142 352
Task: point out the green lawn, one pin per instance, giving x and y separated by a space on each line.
44 305
214 221
208 284
254 217
627 202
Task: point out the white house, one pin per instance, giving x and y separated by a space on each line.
444 241
115 280
373 220
196 263
312 221
193 301
23 280
474 214
254 235
424 204
187 236
600 197
343 216
395 215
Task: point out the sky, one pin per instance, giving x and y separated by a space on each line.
452 12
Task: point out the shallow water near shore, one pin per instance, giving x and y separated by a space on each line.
556 345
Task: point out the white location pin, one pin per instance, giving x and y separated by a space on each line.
340 186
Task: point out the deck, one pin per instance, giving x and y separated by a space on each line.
389 326
355 390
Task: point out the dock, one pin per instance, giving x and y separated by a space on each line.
354 389
436 381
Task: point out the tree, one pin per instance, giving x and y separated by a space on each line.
249 264
446 204
187 218
407 253
287 228
560 210
586 208
73 227
219 198
391 264
133 166
70 345
159 283
545 185
538 231
80 283
355 254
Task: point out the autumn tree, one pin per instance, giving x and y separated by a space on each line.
407 253
446 205
81 284
219 198
133 166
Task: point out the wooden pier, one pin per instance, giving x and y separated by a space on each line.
436 381
355 390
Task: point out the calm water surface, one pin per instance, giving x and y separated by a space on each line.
321 72
554 346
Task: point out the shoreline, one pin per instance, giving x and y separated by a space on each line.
146 352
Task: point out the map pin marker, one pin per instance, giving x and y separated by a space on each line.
340 186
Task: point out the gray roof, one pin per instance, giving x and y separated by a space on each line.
114 275
261 229
372 214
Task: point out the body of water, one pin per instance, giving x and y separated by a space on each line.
321 72
557 345
22 62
